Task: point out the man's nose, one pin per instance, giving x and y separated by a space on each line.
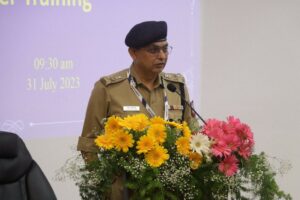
161 54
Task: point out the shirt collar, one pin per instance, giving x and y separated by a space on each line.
158 81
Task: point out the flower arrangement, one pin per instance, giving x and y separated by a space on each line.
158 159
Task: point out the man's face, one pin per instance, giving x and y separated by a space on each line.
152 58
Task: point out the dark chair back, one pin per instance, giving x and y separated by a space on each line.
20 176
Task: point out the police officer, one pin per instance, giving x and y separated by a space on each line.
142 88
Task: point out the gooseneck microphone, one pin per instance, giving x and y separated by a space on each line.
173 88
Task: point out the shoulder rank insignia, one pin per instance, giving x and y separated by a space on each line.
173 77
114 78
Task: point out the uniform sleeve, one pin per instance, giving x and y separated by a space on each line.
96 111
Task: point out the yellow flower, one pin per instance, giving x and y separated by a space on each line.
137 122
158 132
157 120
196 160
105 141
186 130
183 145
194 165
112 125
145 144
174 124
123 140
157 156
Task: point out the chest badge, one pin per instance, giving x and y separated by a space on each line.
131 108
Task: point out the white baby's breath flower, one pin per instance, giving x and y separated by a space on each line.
208 158
200 143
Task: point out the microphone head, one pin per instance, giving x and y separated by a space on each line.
171 87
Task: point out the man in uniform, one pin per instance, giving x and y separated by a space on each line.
142 88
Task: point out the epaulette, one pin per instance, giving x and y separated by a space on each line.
173 77
114 78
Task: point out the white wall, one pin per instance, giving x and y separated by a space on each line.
250 68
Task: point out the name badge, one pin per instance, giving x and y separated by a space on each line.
131 108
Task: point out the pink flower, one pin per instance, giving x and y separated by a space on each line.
231 125
232 141
242 130
231 137
211 126
229 165
245 150
233 121
216 133
220 149
224 145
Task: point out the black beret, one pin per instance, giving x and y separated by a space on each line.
145 33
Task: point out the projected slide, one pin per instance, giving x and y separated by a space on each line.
53 51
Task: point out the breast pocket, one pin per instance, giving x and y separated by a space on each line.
175 112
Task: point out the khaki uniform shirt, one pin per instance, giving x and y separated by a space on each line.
111 93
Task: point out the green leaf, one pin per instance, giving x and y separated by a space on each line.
131 185
170 195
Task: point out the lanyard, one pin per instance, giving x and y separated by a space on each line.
132 84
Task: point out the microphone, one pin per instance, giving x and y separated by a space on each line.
172 88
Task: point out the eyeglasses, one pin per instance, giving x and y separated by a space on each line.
155 50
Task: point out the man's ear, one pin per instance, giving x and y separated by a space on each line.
132 53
